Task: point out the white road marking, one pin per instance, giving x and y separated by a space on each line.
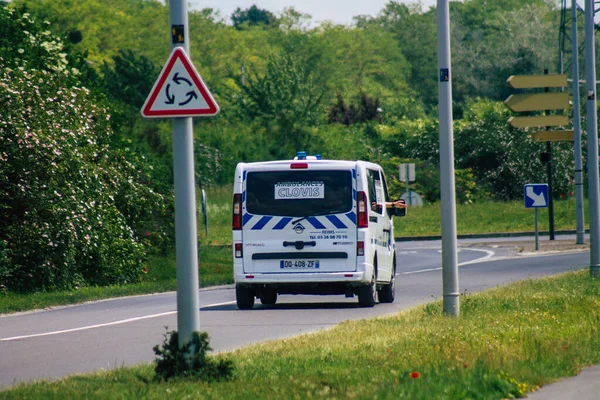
489 254
85 328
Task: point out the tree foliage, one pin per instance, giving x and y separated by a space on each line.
76 211
376 79
252 16
366 110
286 94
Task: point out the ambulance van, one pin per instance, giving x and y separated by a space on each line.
312 226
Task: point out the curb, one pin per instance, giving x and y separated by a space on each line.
485 235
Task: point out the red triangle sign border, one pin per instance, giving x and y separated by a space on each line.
179 54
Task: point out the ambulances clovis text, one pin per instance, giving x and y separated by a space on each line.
299 190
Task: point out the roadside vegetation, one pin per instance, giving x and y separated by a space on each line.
215 257
507 342
86 184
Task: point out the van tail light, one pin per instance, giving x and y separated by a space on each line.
236 221
360 248
363 210
238 250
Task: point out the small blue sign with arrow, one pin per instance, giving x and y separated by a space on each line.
536 195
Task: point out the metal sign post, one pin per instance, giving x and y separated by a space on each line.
541 102
205 211
448 190
407 174
188 303
180 93
592 139
536 195
580 218
537 236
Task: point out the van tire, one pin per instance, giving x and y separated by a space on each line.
268 297
244 297
387 292
367 295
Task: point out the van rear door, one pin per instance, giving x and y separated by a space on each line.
299 220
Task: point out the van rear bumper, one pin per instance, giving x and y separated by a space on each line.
346 283
350 277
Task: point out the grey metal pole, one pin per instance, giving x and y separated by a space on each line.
549 172
448 194
407 181
592 138
537 236
579 214
188 314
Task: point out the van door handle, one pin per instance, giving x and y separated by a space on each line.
299 244
387 230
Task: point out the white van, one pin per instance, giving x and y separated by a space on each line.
312 226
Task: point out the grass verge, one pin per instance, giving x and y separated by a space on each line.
486 217
506 343
215 269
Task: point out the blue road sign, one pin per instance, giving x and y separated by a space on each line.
536 195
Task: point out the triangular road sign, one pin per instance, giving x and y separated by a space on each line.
179 91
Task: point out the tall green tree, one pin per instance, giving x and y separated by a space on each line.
285 94
415 35
518 39
252 16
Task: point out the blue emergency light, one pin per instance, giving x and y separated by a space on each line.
301 155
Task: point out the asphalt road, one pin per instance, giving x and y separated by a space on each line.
54 343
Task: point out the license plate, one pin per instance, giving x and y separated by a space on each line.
299 264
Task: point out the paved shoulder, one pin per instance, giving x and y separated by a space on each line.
581 387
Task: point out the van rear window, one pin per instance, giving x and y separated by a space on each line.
299 193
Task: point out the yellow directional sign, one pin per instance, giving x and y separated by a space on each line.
553 136
537 101
536 81
538 120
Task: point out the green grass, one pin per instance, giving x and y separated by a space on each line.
487 217
215 269
214 249
506 342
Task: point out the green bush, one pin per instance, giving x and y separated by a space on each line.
500 158
190 360
77 207
74 211
506 158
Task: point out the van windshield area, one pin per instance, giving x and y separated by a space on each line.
299 193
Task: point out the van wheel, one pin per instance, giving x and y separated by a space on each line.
268 297
244 297
367 295
387 292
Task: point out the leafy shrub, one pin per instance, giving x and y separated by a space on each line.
500 158
74 212
26 44
190 360
506 158
427 182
